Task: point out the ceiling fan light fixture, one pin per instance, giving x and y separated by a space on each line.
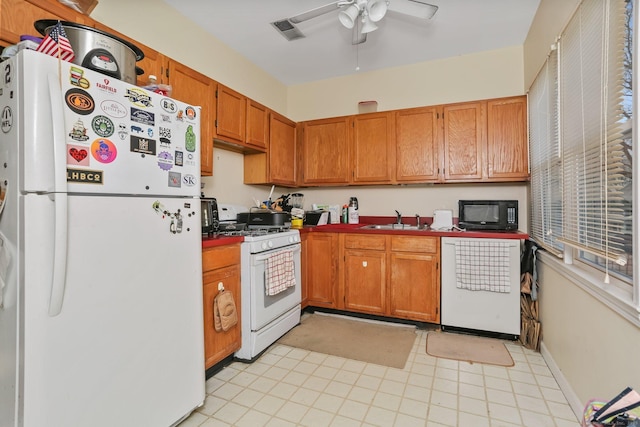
368 25
349 15
376 9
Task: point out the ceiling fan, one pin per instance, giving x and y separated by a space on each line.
359 15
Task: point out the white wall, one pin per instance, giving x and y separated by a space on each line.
593 349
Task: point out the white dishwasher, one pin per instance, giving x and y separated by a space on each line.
481 285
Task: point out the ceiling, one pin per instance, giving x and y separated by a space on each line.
459 27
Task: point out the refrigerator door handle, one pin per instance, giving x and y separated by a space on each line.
59 197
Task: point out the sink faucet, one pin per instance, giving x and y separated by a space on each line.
417 220
398 218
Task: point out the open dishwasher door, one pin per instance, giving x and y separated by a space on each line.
481 285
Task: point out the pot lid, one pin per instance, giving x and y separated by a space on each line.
42 25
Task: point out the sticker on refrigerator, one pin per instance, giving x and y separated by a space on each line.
79 101
179 158
84 176
189 180
113 109
76 78
143 145
168 105
122 131
102 126
104 150
7 74
190 139
175 179
79 131
77 155
3 195
105 86
141 116
190 113
165 160
7 119
138 97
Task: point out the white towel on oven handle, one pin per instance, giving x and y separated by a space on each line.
482 265
279 272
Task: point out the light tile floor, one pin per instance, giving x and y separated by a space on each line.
288 386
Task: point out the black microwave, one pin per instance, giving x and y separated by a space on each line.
498 215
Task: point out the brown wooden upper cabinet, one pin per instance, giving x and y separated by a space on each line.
18 16
257 129
278 164
464 141
373 148
507 144
418 144
324 151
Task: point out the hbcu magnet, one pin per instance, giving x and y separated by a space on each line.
104 150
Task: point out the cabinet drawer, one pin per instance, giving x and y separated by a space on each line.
220 257
414 244
361 241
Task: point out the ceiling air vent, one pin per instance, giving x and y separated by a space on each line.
287 29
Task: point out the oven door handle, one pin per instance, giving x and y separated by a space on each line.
294 248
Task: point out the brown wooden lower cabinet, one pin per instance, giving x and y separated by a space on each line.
322 269
386 275
414 278
220 265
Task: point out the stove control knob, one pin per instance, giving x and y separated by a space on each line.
270 244
264 245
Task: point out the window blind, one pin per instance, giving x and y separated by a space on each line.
546 177
591 134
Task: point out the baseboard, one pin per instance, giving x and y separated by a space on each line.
577 406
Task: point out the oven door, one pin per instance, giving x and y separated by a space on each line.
264 308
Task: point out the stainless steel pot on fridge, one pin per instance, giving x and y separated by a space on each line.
98 50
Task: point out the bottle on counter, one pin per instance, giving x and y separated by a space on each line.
345 214
354 216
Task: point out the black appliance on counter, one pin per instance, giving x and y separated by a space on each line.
492 215
209 215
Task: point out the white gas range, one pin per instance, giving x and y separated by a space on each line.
267 312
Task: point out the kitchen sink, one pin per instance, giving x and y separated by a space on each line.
392 227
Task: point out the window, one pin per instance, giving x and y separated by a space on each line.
581 136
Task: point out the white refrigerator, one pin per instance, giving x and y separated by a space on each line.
101 318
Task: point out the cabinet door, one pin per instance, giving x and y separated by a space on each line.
418 141
218 345
507 144
304 265
464 141
257 132
325 151
232 115
18 16
373 148
322 277
282 150
197 89
364 281
414 278
414 286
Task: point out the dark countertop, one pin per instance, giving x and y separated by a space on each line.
357 228
210 242
214 241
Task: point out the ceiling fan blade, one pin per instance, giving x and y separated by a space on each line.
313 13
416 8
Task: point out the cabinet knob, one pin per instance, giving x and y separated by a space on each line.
220 286
364 263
